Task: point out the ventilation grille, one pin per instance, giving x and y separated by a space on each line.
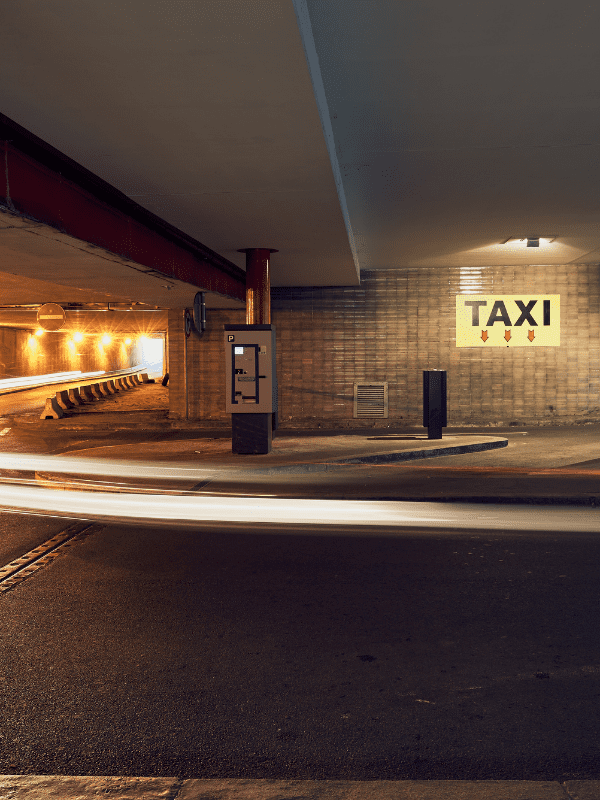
371 400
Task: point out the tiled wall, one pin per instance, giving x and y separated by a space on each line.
395 325
22 353
203 398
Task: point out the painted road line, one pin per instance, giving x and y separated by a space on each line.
16 571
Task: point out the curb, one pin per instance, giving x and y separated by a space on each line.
69 787
380 458
431 452
305 468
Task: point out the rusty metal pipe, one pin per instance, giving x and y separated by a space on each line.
258 285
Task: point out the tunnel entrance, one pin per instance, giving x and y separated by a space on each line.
152 352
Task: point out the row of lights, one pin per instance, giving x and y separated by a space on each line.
106 338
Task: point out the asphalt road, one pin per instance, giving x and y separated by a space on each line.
319 654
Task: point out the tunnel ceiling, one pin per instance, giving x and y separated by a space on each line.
43 265
345 134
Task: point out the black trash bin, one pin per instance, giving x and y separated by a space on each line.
434 402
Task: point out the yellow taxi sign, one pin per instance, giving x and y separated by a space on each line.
510 320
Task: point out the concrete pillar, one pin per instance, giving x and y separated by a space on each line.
258 285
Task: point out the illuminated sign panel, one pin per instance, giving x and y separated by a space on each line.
509 320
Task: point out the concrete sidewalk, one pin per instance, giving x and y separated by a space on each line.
534 465
43 787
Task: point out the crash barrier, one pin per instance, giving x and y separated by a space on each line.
86 393
75 397
62 398
70 398
52 410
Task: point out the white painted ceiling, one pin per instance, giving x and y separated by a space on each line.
449 127
460 124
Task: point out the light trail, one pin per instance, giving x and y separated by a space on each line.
154 470
355 516
149 505
38 381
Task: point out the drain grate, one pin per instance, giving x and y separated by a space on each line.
21 568
371 400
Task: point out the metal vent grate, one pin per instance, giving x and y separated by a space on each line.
371 400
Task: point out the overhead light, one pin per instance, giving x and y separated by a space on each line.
530 241
40 332
106 339
78 337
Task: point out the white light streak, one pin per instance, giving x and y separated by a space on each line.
98 466
43 380
352 515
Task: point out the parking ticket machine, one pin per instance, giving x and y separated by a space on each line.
251 386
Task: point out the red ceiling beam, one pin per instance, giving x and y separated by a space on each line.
43 184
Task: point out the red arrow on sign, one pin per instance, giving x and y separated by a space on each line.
507 335
531 336
484 335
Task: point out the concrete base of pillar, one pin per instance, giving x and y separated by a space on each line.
251 433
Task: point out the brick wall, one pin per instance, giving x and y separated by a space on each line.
395 325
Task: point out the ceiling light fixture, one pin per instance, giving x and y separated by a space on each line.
531 241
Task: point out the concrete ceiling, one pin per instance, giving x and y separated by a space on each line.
459 125
43 265
202 112
370 133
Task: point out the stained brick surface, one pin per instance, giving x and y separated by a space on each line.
396 324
